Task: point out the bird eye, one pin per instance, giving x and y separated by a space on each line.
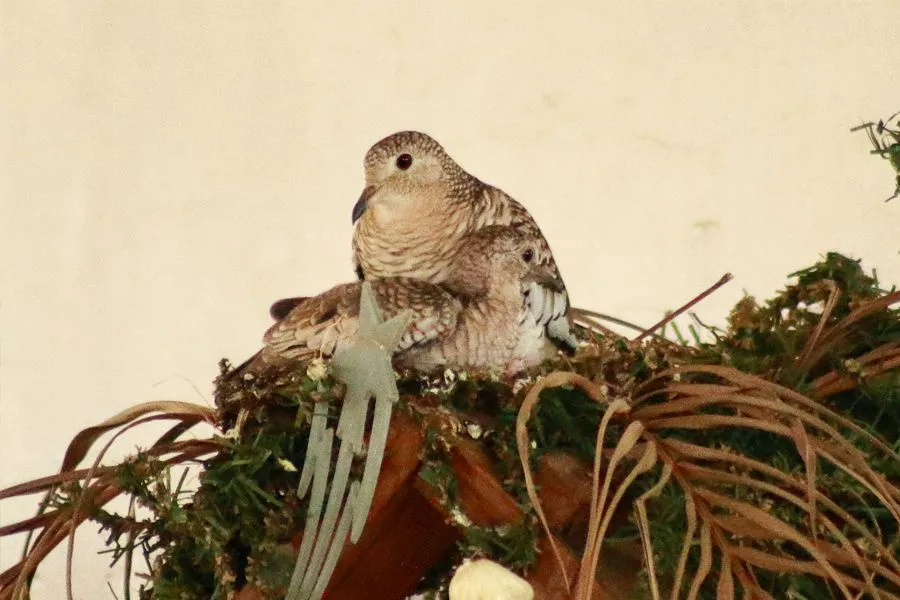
528 255
404 161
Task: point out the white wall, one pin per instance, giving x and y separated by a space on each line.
170 167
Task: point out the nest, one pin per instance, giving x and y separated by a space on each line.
753 461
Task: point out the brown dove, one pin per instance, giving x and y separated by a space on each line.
416 207
476 319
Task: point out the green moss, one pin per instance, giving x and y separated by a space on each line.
510 545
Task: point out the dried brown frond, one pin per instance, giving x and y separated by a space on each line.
87 490
742 516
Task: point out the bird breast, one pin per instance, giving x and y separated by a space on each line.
396 243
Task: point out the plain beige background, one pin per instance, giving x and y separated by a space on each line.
171 167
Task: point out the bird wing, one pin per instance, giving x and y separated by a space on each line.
547 302
282 308
318 325
435 311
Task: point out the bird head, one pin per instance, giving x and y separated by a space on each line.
496 258
404 170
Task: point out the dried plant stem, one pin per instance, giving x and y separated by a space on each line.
671 316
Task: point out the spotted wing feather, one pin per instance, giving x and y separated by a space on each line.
319 325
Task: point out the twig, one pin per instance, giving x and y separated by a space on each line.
724 279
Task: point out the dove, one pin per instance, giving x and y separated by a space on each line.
476 319
416 207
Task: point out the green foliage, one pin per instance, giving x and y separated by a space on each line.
510 545
769 340
885 139
238 524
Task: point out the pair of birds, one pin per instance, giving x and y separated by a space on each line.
465 259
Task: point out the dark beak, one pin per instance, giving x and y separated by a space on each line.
360 207
545 277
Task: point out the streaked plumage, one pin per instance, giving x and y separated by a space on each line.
476 319
417 206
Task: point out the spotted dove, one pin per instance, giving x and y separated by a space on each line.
478 318
418 204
